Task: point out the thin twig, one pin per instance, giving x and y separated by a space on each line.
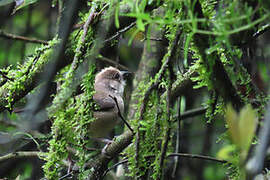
167 136
183 155
114 166
79 54
107 60
21 38
153 39
80 25
191 113
195 156
207 143
260 32
5 76
264 29
79 49
66 175
20 154
178 135
120 114
256 162
121 31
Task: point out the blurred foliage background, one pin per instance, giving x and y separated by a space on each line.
223 136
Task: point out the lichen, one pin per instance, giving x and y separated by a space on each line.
25 75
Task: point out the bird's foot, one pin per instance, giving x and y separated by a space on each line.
103 140
107 142
70 164
104 149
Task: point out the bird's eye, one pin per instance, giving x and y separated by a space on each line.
116 76
113 88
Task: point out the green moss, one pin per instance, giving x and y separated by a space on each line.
153 126
25 75
70 129
72 115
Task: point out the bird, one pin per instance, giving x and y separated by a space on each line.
109 88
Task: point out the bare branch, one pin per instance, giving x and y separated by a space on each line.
195 156
21 38
121 31
182 155
107 60
178 136
167 135
68 18
255 164
114 166
20 154
191 113
264 29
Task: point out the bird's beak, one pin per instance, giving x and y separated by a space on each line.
125 74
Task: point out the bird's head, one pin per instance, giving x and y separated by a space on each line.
111 80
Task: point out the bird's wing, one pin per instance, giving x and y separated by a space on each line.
104 101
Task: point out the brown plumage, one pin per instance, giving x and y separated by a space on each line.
109 83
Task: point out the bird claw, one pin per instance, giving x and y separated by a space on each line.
107 143
104 152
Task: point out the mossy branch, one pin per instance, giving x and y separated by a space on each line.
26 81
219 77
26 77
21 38
20 154
101 162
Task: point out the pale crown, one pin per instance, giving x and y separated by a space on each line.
110 80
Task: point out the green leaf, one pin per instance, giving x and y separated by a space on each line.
133 36
247 126
225 153
241 127
23 3
231 119
143 16
29 135
140 24
116 16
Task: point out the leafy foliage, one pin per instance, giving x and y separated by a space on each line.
242 128
70 129
216 39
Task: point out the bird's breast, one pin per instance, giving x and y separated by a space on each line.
104 122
